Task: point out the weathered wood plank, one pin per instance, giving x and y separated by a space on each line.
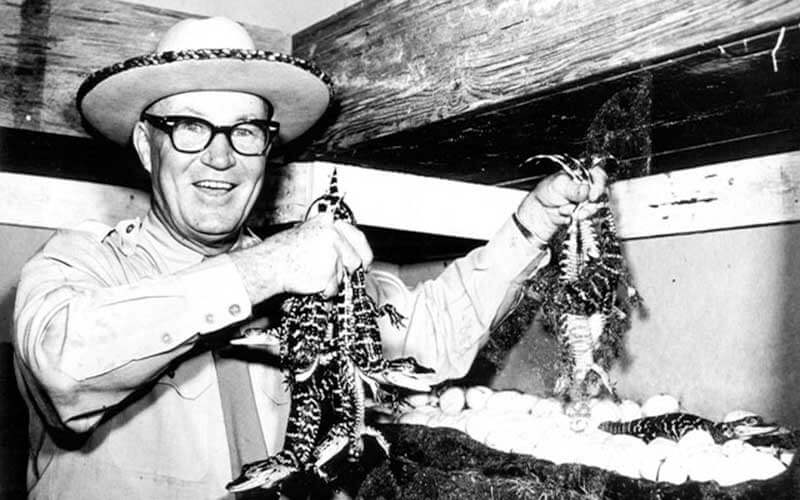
736 194
48 47
404 64
394 201
741 193
445 218
46 202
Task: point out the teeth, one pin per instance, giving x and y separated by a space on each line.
214 184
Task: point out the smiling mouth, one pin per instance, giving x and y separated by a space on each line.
214 187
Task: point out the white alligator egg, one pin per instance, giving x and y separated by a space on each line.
656 452
476 396
528 402
762 465
528 439
502 438
418 416
453 421
593 454
554 446
604 410
673 470
659 405
696 439
626 454
703 464
507 401
479 424
629 410
451 401
547 407
418 399
750 465
733 447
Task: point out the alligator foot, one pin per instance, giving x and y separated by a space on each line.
255 336
265 473
337 440
395 318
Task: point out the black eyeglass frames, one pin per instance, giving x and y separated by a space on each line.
190 134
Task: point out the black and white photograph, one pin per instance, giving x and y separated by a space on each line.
400 249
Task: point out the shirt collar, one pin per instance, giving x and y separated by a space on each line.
174 255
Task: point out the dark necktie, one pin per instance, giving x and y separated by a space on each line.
245 440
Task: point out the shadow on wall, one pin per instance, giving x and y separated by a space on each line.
13 420
787 363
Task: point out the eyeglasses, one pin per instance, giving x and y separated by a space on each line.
190 134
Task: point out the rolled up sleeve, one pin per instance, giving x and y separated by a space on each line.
88 333
450 317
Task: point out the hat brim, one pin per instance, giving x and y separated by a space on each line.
112 99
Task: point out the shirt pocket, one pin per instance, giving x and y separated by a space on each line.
192 378
166 433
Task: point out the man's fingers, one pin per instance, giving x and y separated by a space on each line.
361 253
566 210
586 210
598 186
565 190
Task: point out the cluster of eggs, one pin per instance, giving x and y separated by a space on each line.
515 422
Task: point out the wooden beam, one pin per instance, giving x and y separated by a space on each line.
48 47
467 90
46 202
428 218
395 200
736 194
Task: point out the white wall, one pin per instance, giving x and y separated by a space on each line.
722 325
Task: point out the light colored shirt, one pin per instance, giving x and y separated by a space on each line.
101 311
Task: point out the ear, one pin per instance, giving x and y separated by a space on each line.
141 142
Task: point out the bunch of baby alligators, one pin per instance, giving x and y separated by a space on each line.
587 311
329 349
585 303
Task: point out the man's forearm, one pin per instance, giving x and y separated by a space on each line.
450 317
90 345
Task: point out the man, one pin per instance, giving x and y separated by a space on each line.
113 324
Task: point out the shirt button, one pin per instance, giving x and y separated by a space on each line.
166 338
234 309
209 318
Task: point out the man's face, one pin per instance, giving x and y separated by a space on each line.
203 198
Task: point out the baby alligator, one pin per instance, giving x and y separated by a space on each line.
675 425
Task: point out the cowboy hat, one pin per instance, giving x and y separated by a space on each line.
204 54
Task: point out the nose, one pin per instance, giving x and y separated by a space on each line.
219 154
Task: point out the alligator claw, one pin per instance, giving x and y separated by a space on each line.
257 337
395 318
264 474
